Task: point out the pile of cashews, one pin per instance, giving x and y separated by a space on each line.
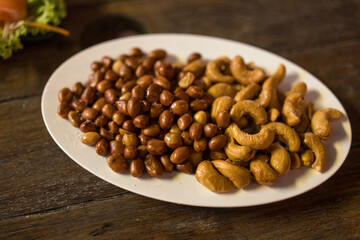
270 132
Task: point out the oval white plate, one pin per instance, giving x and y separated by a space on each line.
178 187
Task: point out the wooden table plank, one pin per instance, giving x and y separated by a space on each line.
324 212
274 29
35 174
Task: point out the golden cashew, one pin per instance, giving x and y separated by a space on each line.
274 114
280 159
220 104
295 161
239 176
294 106
286 134
320 122
236 153
303 125
268 92
317 146
279 74
242 74
257 141
222 89
197 67
299 88
310 110
249 108
248 92
307 158
208 176
214 73
261 171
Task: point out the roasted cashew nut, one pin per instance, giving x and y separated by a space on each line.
279 74
261 171
316 145
303 125
286 134
242 74
294 106
220 104
222 89
320 122
248 92
295 161
299 88
280 159
249 108
307 158
208 176
274 114
239 176
268 92
236 153
214 73
257 141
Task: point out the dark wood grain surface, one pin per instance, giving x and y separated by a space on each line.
46 195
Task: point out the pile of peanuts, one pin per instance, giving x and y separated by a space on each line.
146 114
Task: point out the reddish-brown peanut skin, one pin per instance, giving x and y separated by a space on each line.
180 154
117 164
137 167
153 166
218 142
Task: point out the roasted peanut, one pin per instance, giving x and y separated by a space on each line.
65 95
166 98
200 145
218 142
223 119
89 114
180 155
195 131
102 147
137 167
184 121
185 167
128 125
78 105
116 148
156 147
153 166
74 118
117 164
141 121
151 130
173 140
201 117
88 126
90 138
167 164
179 107
130 152
166 119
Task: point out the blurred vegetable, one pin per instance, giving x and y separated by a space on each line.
42 16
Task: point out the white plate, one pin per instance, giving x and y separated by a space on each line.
178 187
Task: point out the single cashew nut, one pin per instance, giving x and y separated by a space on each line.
242 74
197 67
220 104
307 158
295 161
274 114
313 142
257 141
222 89
207 175
303 125
268 92
310 110
261 171
294 106
286 134
320 122
280 159
279 74
299 88
214 73
240 176
248 92
236 153
249 108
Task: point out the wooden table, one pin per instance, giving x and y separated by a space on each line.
46 195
